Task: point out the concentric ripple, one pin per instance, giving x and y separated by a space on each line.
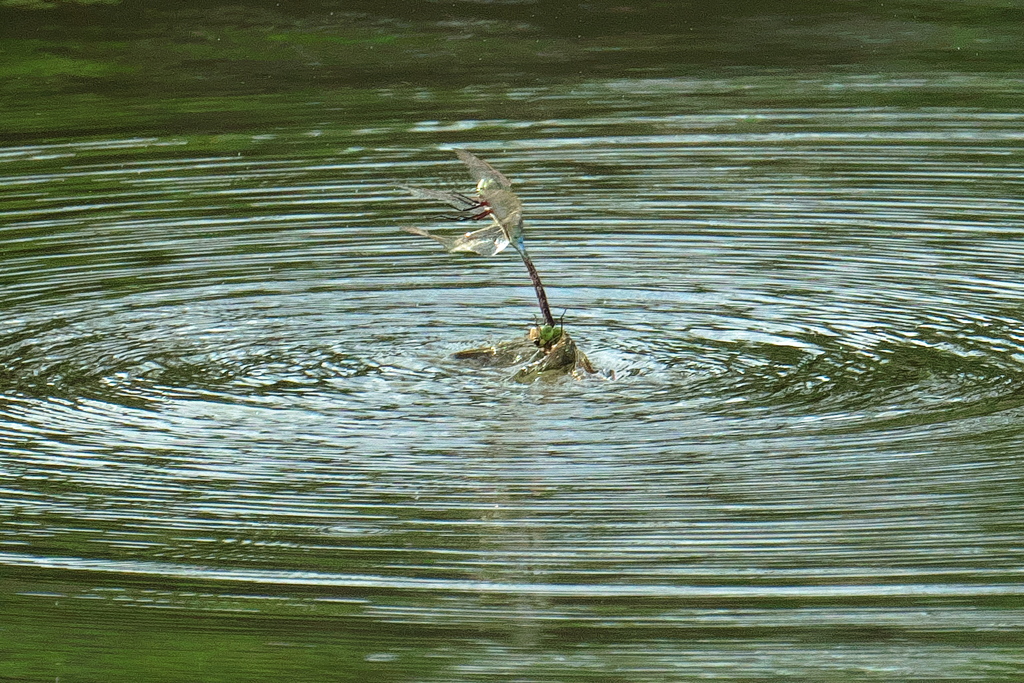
229 369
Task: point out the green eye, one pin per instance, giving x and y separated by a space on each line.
549 333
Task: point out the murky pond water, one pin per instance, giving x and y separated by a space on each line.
235 445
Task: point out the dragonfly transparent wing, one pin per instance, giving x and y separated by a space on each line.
468 205
495 191
485 175
494 198
486 241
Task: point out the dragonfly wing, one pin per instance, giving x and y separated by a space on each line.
496 191
417 231
495 199
449 243
511 220
453 199
486 241
485 175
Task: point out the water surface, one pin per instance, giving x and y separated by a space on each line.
235 446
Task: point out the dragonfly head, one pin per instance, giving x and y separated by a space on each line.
545 336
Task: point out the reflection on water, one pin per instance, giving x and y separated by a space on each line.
227 401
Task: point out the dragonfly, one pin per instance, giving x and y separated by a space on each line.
494 200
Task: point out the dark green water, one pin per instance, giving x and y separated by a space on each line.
233 445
